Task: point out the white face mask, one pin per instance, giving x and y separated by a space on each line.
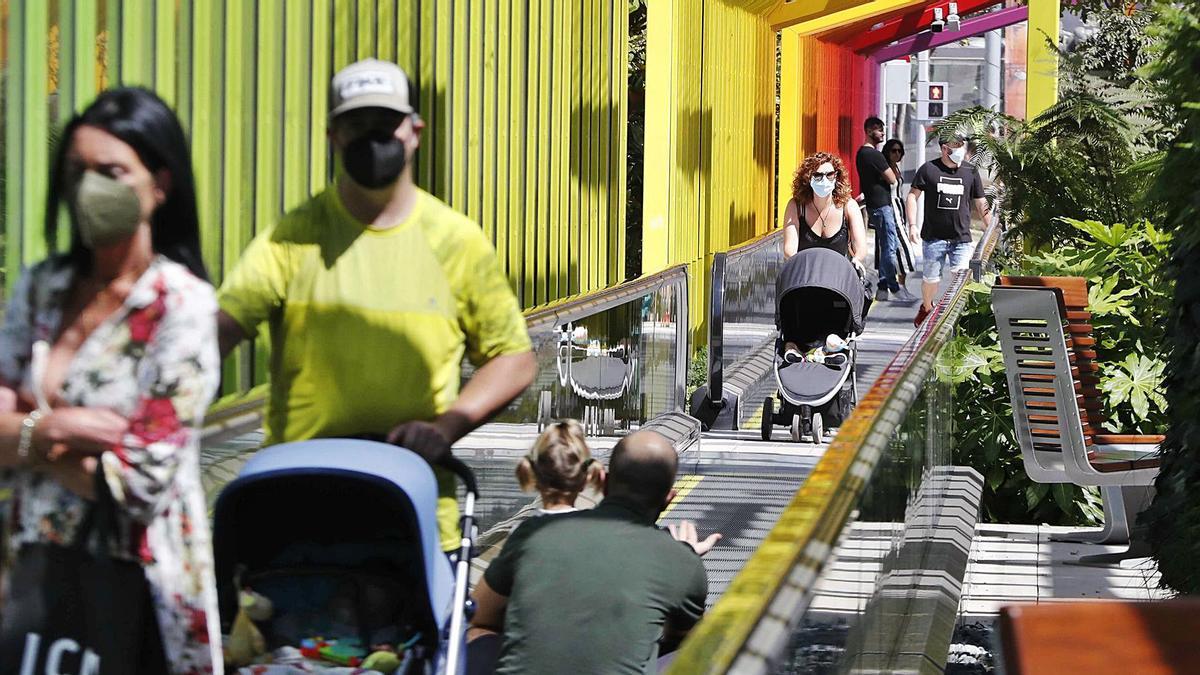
822 187
957 155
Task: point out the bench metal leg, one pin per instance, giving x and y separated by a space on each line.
1129 501
1121 504
1138 548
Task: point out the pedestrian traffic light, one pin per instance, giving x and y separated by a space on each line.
931 100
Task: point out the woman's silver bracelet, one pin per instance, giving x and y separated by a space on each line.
26 442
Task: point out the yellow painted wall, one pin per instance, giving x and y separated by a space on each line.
524 101
710 116
1041 59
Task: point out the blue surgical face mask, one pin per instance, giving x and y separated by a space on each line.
957 155
822 187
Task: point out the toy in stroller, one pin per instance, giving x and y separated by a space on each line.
820 307
339 538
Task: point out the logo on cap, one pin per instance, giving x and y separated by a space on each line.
369 82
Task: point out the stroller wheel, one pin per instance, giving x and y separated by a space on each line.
768 418
797 428
818 428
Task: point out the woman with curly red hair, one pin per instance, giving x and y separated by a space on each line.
821 212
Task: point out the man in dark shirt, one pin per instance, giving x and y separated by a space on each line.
876 177
598 591
953 185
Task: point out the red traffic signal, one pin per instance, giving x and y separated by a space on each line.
937 92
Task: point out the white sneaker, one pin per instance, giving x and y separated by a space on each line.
881 295
903 295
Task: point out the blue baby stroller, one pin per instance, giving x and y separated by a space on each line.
341 536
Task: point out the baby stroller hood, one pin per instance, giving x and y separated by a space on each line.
821 268
397 484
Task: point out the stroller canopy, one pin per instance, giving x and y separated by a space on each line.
333 494
819 288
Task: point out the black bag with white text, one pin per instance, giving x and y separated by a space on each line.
76 610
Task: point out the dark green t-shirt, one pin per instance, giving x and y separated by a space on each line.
590 591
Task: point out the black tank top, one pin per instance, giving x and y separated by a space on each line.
838 241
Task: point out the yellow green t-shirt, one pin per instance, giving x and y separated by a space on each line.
368 327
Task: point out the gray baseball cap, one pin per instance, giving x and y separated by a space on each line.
369 83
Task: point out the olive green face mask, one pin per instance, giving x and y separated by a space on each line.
106 210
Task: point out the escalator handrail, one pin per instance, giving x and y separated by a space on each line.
716 324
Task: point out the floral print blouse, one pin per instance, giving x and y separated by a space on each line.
155 362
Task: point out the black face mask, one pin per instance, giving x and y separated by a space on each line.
374 160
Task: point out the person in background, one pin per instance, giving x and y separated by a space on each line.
602 590
559 466
374 290
875 177
954 186
108 360
893 152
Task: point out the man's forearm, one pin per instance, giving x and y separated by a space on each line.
229 333
984 214
492 387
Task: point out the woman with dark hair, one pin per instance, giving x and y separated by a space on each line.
108 360
893 152
821 212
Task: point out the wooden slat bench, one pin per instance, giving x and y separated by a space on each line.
1101 638
1053 378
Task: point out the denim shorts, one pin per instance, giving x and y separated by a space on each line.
942 253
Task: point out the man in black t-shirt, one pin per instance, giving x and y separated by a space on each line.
953 185
876 177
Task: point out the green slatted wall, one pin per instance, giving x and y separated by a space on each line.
524 101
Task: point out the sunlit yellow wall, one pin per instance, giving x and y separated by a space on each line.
524 100
710 109
1041 65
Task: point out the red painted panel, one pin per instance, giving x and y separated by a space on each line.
840 90
860 37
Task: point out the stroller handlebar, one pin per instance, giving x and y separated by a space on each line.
459 468
451 463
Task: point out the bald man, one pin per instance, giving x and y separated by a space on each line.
603 590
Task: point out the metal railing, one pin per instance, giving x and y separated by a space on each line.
751 626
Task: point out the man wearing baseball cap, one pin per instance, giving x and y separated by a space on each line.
954 186
374 290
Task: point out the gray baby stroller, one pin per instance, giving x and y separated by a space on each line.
818 294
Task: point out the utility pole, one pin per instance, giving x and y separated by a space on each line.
991 80
922 80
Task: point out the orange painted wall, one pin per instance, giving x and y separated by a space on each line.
838 89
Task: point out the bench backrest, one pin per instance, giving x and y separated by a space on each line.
1081 343
1042 382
